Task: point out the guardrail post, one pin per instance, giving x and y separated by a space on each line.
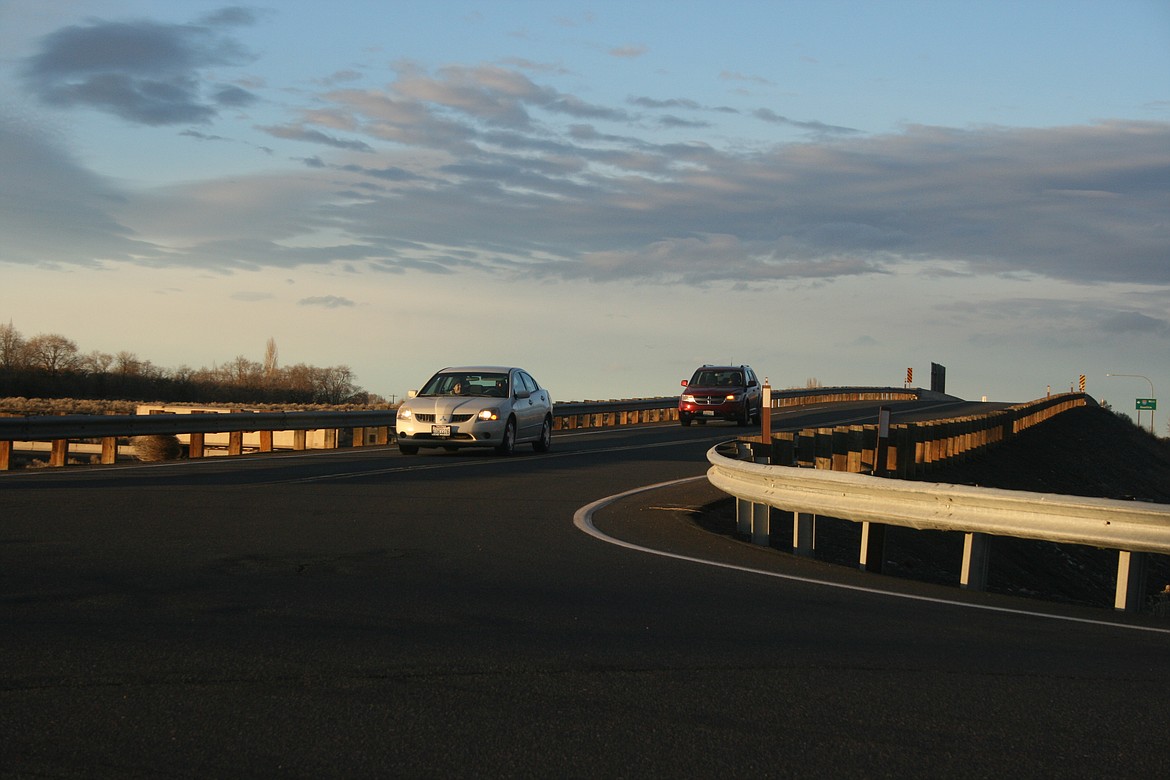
823 448
235 442
784 449
976 554
195 448
59 454
5 455
804 534
266 441
873 547
1131 581
806 447
109 450
743 507
762 515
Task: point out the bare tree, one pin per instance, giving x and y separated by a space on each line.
245 372
127 363
53 353
270 367
12 347
96 362
334 385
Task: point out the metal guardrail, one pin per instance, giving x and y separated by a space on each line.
568 415
60 429
1133 529
79 426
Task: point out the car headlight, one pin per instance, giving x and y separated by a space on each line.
403 414
732 397
489 414
688 398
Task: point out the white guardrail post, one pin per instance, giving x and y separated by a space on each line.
1132 528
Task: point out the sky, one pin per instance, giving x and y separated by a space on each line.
607 194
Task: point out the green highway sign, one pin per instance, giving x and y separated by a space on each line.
1147 403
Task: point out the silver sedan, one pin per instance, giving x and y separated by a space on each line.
476 406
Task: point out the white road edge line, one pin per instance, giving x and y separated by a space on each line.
583 520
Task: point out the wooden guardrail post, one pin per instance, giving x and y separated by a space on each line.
873 547
840 445
976 556
59 453
1131 581
806 448
784 449
109 450
5 455
823 448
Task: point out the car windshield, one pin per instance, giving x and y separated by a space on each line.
707 378
471 384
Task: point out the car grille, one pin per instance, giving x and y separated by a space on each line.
455 418
710 400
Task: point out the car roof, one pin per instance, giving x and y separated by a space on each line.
478 369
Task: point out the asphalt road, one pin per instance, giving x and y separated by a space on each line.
362 613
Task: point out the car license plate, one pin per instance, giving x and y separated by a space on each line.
441 431
708 412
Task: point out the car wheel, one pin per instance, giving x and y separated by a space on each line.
545 441
746 417
408 449
685 419
507 444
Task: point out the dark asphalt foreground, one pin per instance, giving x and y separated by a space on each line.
626 665
844 662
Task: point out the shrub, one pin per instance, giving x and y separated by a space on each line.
158 447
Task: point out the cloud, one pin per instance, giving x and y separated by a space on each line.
1132 322
144 72
604 206
326 301
768 115
628 52
55 212
298 133
482 167
728 75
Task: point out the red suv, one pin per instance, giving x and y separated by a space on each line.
721 393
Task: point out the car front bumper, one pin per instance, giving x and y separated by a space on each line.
473 433
720 412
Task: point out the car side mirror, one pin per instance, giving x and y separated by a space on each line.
522 394
753 383
683 383
412 394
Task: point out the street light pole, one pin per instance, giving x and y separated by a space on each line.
1139 376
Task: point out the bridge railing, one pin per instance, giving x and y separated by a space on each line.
905 450
830 476
336 429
